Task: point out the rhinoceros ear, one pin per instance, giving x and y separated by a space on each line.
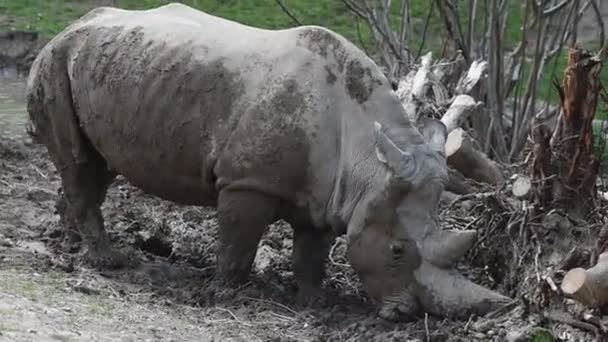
435 133
401 163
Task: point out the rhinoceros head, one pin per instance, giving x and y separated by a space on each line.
384 250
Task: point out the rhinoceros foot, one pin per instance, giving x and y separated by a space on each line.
311 297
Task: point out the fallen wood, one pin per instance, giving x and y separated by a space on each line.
411 89
460 109
457 183
588 286
476 73
468 160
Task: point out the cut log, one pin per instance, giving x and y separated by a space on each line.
589 287
457 183
446 293
472 163
521 186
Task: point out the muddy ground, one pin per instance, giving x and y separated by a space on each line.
46 294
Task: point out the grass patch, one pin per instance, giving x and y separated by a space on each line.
542 335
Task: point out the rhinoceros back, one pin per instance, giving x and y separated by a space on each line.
183 103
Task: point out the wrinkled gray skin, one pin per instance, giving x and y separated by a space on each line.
296 124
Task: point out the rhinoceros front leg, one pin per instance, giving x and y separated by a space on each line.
310 251
243 217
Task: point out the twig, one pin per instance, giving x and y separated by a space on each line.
283 306
426 327
38 171
573 322
288 12
233 316
509 306
600 22
426 27
331 254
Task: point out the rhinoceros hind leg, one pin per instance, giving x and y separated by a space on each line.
85 185
310 252
243 217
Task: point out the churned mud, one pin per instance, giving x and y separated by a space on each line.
47 295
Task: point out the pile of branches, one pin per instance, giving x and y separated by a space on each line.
542 223
475 31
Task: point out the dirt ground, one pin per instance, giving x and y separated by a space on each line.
47 295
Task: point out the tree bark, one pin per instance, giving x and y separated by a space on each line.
565 165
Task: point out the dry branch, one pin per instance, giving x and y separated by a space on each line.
460 109
415 100
476 73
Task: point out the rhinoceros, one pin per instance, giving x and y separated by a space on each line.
295 124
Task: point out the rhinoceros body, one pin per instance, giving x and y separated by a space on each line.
294 124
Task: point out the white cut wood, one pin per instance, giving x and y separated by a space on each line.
476 73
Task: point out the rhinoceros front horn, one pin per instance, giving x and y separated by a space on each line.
435 133
401 163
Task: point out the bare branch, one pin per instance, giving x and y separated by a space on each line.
555 9
288 12
426 26
600 22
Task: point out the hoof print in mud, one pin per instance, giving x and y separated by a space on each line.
307 300
111 258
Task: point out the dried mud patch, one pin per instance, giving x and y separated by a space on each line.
169 291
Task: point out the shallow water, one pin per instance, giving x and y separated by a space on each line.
13 114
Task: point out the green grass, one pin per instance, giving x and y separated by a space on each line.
51 16
542 335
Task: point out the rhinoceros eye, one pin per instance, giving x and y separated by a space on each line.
396 249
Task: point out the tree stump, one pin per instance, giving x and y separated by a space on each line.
565 166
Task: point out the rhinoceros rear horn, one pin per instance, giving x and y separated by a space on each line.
435 133
401 163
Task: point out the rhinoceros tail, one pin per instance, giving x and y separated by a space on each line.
50 106
34 100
